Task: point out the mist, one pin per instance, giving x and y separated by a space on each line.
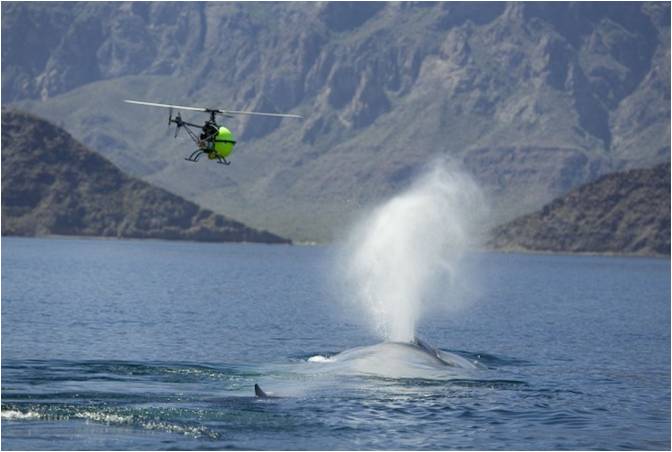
405 257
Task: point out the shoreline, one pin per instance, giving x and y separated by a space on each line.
310 243
153 239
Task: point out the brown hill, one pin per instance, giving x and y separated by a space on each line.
626 212
51 184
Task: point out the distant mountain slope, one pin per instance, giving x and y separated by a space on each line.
627 212
534 98
51 184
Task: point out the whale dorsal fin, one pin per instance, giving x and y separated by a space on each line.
259 392
425 346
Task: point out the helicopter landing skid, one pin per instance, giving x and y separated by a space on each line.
194 156
197 154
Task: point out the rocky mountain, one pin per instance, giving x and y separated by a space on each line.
533 99
626 212
51 184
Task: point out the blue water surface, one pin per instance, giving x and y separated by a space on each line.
125 344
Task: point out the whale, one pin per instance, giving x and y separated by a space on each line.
415 359
395 360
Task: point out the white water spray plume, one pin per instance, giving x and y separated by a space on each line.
409 249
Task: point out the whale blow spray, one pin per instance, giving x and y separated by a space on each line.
408 249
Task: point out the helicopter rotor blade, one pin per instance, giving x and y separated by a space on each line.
257 113
154 104
215 110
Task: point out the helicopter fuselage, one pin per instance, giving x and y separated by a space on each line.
215 141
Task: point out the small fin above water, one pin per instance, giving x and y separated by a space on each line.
449 359
259 392
424 345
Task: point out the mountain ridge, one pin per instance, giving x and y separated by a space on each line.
533 99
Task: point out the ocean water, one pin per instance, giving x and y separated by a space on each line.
115 344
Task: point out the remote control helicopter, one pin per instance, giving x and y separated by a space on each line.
211 139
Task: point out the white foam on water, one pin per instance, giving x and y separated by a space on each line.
107 418
406 254
13 415
114 419
319 359
149 424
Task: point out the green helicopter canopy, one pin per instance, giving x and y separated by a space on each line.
224 142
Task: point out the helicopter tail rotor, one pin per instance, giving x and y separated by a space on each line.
170 118
179 122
